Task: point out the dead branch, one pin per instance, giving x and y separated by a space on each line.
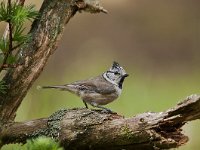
92 129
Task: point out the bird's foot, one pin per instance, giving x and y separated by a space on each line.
106 110
103 109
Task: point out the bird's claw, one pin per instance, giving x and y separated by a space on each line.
106 110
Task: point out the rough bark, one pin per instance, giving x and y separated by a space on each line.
92 129
32 57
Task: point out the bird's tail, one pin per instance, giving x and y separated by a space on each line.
61 87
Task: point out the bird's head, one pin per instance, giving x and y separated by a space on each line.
116 74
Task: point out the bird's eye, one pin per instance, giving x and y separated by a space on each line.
116 73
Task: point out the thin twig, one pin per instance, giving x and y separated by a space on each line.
8 31
16 46
10 38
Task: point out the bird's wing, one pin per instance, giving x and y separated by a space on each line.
105 88
97 86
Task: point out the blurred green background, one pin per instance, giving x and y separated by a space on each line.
157 42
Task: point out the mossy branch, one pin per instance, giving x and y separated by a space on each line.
82 128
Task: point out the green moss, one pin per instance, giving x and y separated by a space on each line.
127 132
141 136
53 125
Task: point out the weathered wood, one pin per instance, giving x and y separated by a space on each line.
92 129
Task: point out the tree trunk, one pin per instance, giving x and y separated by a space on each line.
92 129
45 33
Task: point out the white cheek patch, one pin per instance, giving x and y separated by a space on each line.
109 80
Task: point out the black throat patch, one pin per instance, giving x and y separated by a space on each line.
121 82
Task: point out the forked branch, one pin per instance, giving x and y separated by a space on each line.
45 33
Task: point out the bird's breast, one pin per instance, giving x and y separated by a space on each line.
100 99
118 90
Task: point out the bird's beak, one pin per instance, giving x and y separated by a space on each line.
126 75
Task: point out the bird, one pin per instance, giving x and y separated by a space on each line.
97 91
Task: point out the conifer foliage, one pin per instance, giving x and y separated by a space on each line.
40 143
14 15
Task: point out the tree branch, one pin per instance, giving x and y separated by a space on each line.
45 34
92 129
